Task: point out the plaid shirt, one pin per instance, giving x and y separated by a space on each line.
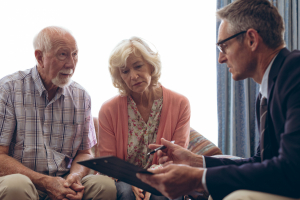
44 136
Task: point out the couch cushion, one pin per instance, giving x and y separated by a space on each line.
202 146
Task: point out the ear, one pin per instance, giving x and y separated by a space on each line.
253 39
39 57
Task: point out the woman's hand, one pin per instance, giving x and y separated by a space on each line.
140 194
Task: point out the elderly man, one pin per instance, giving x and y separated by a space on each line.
251 44
46 127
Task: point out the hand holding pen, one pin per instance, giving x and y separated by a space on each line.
177 154
159 148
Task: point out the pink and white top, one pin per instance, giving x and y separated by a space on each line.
141 133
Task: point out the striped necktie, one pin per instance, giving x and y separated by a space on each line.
263 126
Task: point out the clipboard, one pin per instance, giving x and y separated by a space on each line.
121 170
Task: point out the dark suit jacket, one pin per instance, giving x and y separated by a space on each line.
279 173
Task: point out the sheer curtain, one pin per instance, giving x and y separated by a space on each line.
237 128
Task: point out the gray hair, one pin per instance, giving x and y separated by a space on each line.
260 15
42 41
119 56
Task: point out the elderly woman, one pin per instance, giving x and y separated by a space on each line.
142 114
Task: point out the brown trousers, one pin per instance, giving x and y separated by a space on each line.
18 186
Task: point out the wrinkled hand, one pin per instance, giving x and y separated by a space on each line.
73 181
147 196
140 194
176 154
175 180
56 190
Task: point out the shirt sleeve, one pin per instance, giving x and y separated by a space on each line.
7 118
92 132
204 163
89 136
204 175
181 135
107 138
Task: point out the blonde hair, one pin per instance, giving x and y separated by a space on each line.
119 57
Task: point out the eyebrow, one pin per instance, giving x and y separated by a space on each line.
67 49
137 62
123 67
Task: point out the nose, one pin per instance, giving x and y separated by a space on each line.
71 62
222 58
134 75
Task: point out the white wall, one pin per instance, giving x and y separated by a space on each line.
183 32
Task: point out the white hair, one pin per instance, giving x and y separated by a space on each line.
42 41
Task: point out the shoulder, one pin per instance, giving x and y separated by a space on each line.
175 103
292 59
18 77
290 69
116 100
174 96
112 105
287 81
75 89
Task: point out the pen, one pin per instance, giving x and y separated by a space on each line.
159 148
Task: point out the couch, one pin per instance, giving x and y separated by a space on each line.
198 143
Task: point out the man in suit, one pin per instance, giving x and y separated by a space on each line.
251 44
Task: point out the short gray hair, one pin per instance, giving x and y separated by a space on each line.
42 41
119 56
260 15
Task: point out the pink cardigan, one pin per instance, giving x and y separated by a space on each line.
113 124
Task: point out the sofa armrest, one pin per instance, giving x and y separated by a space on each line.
200 145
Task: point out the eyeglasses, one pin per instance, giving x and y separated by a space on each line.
221 45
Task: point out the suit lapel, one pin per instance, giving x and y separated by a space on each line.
271 82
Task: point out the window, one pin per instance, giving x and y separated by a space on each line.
183 32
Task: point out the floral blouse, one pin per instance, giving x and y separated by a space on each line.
141 134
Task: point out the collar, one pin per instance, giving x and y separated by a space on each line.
38 81
40 86
264 83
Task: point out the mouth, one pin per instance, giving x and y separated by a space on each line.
65 74
137 84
